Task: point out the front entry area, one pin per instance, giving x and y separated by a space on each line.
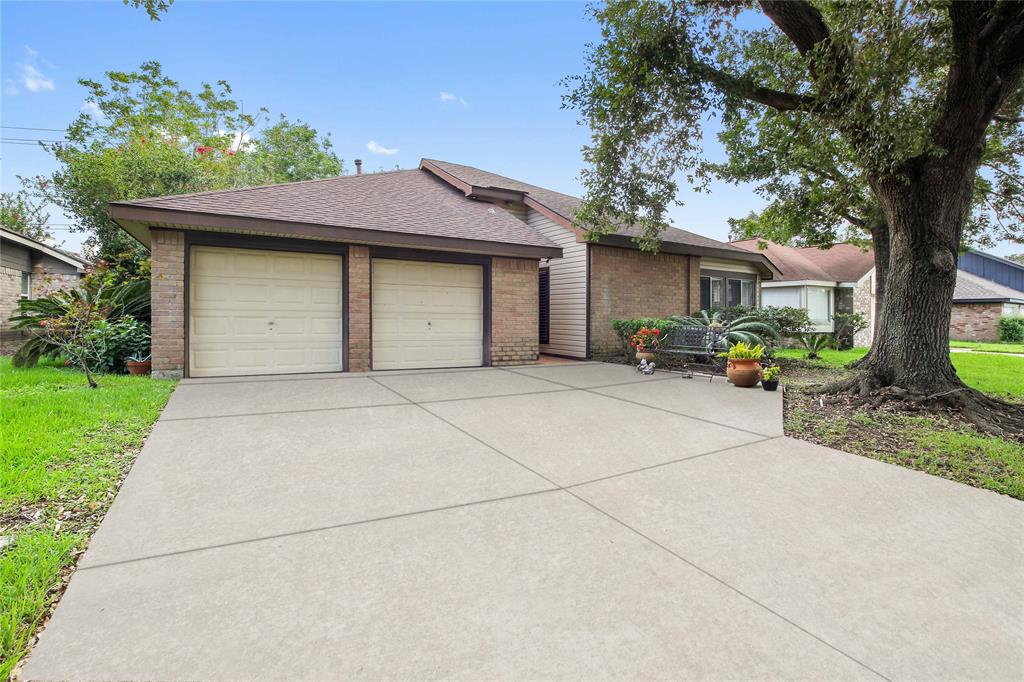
255 311
426 314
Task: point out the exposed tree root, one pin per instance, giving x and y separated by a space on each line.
985 413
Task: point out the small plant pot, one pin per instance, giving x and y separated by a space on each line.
139 369
770 385
644 355
743 373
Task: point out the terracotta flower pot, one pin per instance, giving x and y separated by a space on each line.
644 355
744 373
140 368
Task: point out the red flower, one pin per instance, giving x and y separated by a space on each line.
231 153
656 332
643 330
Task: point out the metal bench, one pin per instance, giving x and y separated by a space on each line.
697 342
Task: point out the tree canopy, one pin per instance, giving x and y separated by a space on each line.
143 134
22 212
812 102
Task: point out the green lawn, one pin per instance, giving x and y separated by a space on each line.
63 450
1001 375
992 347
937 444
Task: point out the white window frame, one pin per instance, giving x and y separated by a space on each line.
26 285
747 296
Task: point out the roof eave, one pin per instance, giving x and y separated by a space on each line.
762 262
30 243
137 221
993 299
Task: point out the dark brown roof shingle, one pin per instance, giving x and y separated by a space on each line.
406 201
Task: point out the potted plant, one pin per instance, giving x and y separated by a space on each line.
139 364
645 342
744 367
770 378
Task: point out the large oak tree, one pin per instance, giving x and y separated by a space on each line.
890 108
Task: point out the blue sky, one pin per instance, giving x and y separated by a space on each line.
361 72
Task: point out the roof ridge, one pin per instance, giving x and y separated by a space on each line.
233 190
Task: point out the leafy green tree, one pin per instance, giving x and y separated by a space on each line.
153 7
1017 258
144 135
285 152
880 117
21 212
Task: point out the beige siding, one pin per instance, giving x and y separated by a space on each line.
727 265
568 332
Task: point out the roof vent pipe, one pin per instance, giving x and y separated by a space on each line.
359 166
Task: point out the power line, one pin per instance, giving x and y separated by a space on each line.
26 139
49 130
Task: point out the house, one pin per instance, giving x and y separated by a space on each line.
29 268
842 279
821 281
443 265
987 287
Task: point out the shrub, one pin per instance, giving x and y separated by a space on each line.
814 343
647 339
790 322
1011 328
626 329
119 340
847 325
771 373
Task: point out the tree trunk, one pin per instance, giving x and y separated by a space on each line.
909 357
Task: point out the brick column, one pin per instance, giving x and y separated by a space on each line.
167 256
358 309
693 285
514 311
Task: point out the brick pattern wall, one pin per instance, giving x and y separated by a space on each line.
693 286
10 294
167 256
625 283
975 321
864 303
359 347
514 311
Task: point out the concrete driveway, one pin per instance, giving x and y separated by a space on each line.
563 521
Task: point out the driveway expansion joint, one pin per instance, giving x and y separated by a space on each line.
680 557
592 390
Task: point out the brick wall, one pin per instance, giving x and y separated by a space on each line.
10 294
975 321
358 309
514 311
864 303
626 283
167 256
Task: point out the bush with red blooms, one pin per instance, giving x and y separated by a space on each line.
646 340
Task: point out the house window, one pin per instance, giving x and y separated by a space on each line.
545 306
717 292
747 292
705 293
26 285
819 304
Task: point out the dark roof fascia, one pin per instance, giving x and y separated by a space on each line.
474 191
136 216
758 259
994 299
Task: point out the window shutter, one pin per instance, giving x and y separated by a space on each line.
545 306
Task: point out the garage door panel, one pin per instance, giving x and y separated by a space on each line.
426 314
264 312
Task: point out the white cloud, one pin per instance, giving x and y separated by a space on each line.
447 97
238 139
378 149
93 110
31 77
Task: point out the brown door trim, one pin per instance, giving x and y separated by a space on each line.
440 257
232 241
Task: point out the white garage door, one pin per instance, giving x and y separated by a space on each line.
263 312
427 315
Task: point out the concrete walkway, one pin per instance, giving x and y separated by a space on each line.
559 521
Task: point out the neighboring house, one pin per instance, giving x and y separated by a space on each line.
987 287
441 266
843 279
28 269
821 281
